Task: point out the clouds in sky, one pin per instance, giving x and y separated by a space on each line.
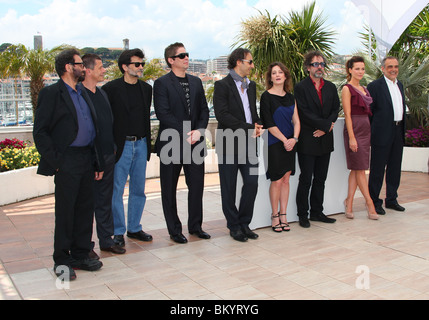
207 28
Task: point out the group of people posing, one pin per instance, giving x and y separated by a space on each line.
96 139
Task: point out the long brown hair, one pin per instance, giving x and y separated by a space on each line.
288 81
350 63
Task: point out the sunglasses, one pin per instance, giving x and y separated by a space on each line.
138 64
317 64
181 55
249 61
77 63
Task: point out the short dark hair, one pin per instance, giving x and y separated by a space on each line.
288 83
350 63
171 50
89 60
236 55
63 58
308 57
125 57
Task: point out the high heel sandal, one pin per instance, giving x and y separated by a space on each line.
371 216
284 225
278 227
349 215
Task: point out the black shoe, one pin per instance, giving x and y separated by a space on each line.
238 235
249 233
380 210
141 235
114 249
395 206
179 238
322 218
65 272
93 255
200 234
119 240
303 222
87 264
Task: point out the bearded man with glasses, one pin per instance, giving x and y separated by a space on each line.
66 135
130 99
318 105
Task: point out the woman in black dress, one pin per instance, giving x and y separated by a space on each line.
280 116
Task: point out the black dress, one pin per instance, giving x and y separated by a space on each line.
277 111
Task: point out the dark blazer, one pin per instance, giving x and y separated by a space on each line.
56 127
382 125
315 117
171 107
118 99
229 109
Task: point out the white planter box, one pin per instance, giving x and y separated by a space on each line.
415 159
23 184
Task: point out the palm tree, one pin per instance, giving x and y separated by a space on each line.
306 32
17 61
285 39
37 63
11 66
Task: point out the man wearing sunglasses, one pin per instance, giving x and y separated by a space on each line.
66 136
130 99
183 114
234 102
318 105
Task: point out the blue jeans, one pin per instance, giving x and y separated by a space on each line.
132 163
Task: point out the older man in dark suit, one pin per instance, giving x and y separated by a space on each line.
318 105
234 101
183 114
387 135
65 130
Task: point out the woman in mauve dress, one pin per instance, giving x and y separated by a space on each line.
357 135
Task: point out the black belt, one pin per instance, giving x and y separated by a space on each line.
397 123
133 138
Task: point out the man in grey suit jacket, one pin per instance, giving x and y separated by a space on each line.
234 101
387 135
183 114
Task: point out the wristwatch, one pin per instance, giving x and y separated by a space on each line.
296 139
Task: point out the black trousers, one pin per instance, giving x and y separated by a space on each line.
386 160
103 190
314 171
74 206
194 177
240 217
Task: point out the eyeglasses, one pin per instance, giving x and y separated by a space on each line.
249 61
137 64
181 55
75 63
318 64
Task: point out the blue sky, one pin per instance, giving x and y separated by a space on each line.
207 28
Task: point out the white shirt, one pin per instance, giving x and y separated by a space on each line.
395 94
245 100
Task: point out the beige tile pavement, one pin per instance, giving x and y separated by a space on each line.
324 262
